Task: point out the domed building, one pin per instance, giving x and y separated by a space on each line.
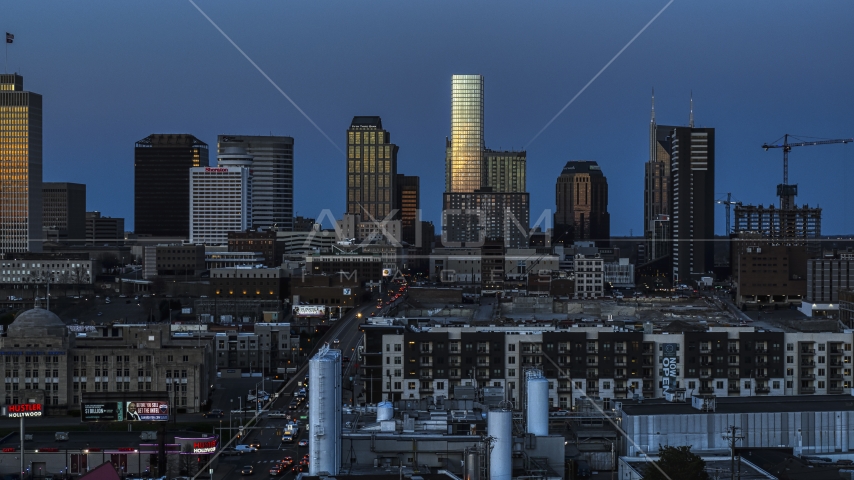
35 352
38 323
48 362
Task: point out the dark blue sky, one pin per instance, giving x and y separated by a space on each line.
113 72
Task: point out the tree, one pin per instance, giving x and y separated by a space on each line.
677 463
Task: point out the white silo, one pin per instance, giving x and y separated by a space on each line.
499 427
324 411
538 405
385 411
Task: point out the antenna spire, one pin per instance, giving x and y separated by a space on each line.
691 114
652 113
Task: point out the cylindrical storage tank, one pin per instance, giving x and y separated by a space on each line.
472 465
324 411
499 427
385 411
538 406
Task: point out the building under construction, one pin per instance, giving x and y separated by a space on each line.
790 227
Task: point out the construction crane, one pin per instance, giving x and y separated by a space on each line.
785 191
728 203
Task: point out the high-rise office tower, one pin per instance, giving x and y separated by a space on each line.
162 165
371 170
221 197
484 190
656 202
504 171
20 167
64 207
692 219
581 195
464 150
272 178
409 203
679 199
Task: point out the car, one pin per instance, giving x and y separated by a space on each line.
215 413
247 470
288 461
373 314
255 445
559 413
230 451
287 439
336 342
303 442
245 448
276 470
297 468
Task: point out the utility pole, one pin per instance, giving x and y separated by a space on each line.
732 437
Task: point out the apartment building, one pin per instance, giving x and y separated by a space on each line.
603 362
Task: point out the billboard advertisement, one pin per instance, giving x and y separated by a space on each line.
21 410
147 411
102 412
197 446
670 365
310 311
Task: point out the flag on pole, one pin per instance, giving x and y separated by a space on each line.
10 38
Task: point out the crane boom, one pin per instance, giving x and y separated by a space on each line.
766 146
785 191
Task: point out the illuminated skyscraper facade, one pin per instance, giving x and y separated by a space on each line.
20 167
484 190
371 170
464 150
409 203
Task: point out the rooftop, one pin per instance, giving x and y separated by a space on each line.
367 122
731 405
581 166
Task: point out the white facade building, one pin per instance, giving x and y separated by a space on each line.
589 276
46 270
221 198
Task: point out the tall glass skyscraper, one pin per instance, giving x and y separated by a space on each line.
464 152
272 178
20 167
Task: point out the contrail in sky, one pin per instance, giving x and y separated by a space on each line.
597 74
267 76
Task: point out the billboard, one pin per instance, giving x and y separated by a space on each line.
102 412
310 311
21 410
147 411
670 365
197 446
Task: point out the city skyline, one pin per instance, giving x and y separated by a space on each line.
737 86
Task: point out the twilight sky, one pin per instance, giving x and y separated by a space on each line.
112 73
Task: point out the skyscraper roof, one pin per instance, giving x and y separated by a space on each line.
367 121
581 166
